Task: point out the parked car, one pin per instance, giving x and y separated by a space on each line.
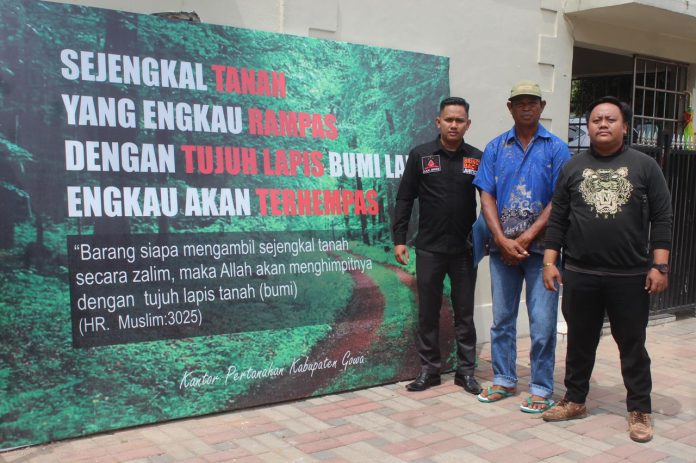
578 138
645 133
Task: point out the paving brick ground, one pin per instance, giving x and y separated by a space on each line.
444 424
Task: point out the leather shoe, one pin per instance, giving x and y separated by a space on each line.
424 381
469 383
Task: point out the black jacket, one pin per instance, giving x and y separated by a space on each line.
442 182
608 212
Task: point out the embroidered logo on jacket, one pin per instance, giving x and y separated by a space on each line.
470 166
606 190
431 164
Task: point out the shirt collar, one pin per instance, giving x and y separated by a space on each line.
540 133
615 153
442 148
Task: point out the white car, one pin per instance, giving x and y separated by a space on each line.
578 138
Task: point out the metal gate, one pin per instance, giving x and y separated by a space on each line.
659 104
679 167
680 172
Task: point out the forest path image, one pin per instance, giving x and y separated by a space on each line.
356 333
446 315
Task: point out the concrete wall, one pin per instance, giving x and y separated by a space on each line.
491 44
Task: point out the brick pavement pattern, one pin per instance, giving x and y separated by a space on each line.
443 424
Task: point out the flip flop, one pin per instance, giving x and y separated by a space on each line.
504 394
529 407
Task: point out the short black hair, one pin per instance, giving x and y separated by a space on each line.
625 109
454 100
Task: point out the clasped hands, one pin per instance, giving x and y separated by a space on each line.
514 251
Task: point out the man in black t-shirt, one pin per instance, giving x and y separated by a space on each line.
440 175
611 214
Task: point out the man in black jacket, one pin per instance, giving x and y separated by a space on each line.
440 175
611 213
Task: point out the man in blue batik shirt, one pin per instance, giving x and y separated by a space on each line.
516 178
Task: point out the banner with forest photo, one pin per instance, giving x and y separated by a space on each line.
196 218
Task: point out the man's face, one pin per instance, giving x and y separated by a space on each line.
453 123
606 128
526 110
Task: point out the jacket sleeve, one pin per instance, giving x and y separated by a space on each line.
405 197
558 223
660 204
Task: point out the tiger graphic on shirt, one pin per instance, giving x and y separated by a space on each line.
606 190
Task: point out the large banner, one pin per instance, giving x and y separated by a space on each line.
196 218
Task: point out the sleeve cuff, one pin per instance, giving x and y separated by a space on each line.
552 246
399 239
661 245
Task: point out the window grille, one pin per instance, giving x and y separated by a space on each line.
659 102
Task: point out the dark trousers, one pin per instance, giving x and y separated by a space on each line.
586 298
431 269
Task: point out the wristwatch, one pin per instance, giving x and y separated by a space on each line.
662 268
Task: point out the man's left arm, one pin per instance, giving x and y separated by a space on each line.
660 205
530 234
560 155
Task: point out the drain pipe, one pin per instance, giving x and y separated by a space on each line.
281 15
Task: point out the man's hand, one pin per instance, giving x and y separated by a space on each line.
552 278
656 282
511 251
401 253
525 240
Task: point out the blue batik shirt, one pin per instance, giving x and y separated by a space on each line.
522 182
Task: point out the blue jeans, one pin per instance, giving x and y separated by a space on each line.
542 309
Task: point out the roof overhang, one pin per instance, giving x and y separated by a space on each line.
675 19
